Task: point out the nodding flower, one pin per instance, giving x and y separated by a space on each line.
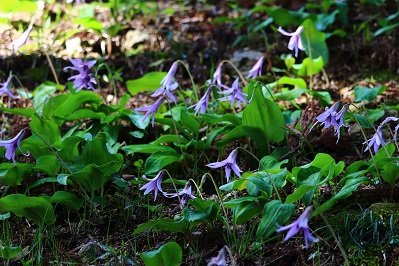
151 109
154 184
256 70
168 84
84 79
331 117
230 163
6 87
12 145
295 42
301 224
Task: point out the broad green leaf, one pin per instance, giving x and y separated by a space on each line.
28 112
309 67
48 164
12 175
37 209
147 148
42 93
315 40
68 199
169 254
297 82
368 94
159 160
205 210
149 82
90 23
265 115
390 173
274 213
162 224
9 252
350 186
62 179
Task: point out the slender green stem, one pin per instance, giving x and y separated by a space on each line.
191 79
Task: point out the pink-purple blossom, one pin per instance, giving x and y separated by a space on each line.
234 94
168 84
378 141
295 42
154 184
300 225
203 103
151 109
184 195
12 145
6 88
21 40
333 117
256 70
84 79
229 164
220 259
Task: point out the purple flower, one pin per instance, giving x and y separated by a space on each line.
295 42
151 109
256 69
202 104
220 259
378 141
17 43
185 194
168 84
6 87
217 76
84 79
229 164
11 145
301 224
154 185
333 117
234 94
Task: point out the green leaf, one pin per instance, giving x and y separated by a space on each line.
274 213
169 254
9 252
68 199
48 164
42 93
309 67
265 115
159 160
390 173
368 94
350 186
162 224
314 39
62 179
12 175
37 209
147 148
149 82
90 23
28 112
297 82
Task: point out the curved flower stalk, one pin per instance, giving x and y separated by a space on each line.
234 94
12 145
6 87
168 84
301 224
185 194
333 118
230 163
21 40
256 70
378 141
151 109
84 79
295 42
154 184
